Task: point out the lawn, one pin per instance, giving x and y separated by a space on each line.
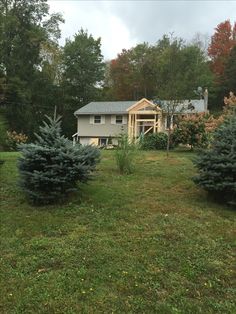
150 242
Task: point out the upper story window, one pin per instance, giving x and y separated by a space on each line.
97 120
119 119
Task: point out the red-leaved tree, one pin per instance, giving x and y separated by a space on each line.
223 40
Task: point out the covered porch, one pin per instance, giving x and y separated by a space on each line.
143 117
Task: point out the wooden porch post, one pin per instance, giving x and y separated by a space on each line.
129 125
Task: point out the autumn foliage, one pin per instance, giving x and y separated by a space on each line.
222 42
191 131
121 76
231 100
197 129
14 138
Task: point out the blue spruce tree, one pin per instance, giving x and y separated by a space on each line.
51 167
217 166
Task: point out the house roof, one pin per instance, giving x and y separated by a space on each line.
189 106
105 107
121 107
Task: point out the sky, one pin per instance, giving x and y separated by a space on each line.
123 24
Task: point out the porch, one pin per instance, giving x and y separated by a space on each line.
143 118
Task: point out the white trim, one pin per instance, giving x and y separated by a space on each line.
113 119
91 119
102 119
144 100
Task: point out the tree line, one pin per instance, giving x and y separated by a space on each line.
37 74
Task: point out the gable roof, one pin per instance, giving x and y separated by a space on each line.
122 107
105 107
143 103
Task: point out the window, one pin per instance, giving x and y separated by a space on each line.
169 122
119 119
97 119
175 120
102 142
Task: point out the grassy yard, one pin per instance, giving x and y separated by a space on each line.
150 242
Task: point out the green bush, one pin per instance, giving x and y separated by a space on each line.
154 141
51 167
125 154
217 166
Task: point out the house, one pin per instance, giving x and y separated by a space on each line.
100 123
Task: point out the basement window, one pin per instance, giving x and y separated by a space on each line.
102 141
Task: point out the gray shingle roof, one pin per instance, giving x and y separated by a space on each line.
120 107
105 107
189 106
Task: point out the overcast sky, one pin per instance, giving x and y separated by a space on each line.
123 24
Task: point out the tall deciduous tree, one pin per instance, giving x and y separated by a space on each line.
121 76
230 72
181 68
133 73
83 71
142 71
223 40
202 41
25 27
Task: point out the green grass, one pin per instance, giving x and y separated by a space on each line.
150 242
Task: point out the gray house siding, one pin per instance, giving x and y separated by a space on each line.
98 131
88 130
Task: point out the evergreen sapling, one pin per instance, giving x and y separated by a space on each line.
217 166
51 167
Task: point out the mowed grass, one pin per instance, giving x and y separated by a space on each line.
150 242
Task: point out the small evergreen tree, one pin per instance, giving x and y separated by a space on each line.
50 167
217 166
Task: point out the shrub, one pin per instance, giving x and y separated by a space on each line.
50 167
217 166
191 130
154 141
125 154
230 104
14 139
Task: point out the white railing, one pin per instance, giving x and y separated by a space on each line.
75 138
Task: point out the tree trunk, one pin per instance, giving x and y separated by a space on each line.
168 143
